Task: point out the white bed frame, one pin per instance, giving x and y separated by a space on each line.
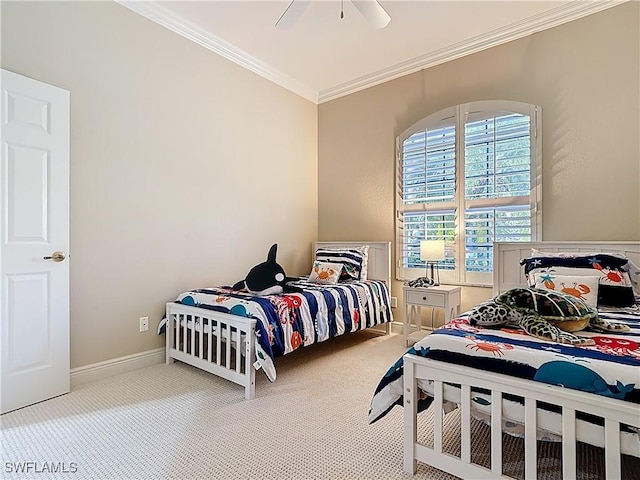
508 273
228 349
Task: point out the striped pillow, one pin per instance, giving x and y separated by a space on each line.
354 261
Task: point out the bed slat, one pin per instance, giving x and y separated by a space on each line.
227 347
437 416
568 443
612 448
238 351
496 432
218 342
465 425
184 334
193 337
209 342
530 443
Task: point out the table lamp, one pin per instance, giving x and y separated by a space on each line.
432 251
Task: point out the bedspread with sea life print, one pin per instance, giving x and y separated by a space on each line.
610 368
287 322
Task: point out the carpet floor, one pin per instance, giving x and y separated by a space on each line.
177 422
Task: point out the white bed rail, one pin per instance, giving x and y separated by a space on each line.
417 368
217 343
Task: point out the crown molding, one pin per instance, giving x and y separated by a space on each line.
162 16
552 18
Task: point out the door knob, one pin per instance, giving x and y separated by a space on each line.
56 257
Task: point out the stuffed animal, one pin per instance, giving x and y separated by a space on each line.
545 314
267 278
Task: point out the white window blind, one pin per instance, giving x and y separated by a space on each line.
469 175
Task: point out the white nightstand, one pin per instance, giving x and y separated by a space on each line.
446 297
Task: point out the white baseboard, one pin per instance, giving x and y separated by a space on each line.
109 368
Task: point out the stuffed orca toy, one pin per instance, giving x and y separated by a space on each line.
267 278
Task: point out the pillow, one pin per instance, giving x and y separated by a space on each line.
537 253
325 273
598 261
354 261
615 287
585 287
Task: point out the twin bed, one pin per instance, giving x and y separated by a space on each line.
518 384
233 334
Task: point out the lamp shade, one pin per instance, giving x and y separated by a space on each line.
431 250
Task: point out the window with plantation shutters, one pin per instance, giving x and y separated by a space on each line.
470 175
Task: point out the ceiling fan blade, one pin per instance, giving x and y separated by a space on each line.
373 12
292 14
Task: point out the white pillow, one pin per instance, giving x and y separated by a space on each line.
325 273
581 286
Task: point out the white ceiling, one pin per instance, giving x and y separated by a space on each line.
324 57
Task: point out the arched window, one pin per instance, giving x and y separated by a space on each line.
470 175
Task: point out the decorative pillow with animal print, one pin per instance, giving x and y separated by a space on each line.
615 287
354 261
583 287
325 273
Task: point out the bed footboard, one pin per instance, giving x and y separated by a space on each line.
216 342
614 412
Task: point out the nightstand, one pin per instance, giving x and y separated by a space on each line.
446 297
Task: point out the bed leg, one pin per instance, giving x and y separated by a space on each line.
250 371
410 421
387 328
169 334
250 388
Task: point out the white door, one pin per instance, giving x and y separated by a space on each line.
34 216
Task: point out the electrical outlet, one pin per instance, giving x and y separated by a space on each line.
144 324
394 302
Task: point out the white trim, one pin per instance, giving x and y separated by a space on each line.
457 117
552 18
109 368
162 16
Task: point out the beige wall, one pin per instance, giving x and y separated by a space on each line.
164 134
584 74
185 167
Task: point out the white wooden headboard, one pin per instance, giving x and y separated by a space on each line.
379 264
508 273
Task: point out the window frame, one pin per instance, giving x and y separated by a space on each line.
460 115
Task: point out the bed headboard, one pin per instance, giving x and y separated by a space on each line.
508 273
379 264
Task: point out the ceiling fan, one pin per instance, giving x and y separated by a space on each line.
371 10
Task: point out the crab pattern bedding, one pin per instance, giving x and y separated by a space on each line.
610 367
289 321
